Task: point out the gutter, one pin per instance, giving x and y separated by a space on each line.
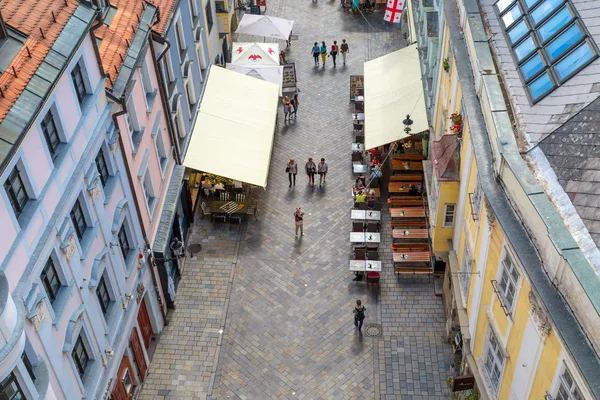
95 44
564 323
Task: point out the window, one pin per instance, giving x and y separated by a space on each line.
146 80
78 219
189 99
124 241
149 192
15 189
449 211
220 6
80 357
548 40
494 361
131 118
508 282
10 389
50 280
180 41
28 366
51 133
567 388
102 167
209 16
103 296
193 10
78 82
162 152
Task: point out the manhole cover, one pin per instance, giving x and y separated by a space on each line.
194 248
374 330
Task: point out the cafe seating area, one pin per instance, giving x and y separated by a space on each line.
408 214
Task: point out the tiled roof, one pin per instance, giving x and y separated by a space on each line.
117 37
42 21
446 158
535 122
573 151
166 8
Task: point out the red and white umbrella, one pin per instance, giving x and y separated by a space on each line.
255 53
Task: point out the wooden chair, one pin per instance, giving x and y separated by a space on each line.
363 206
409 247
358 226
205 209
360 253
373 255
235 220
356 157
358 128
408 224
407 177
408 157
372 246
360 138
219 219
372 227
253 209
378 206
373 278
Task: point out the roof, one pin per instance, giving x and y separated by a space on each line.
35 19
446 158
535 122
36 76
166 8
165 225
573 151
123 40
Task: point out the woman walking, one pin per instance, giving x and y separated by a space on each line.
316 50
310 169
322 170
295 104
299 217
334 52
323 53
359 314
292 170
344 49
286 107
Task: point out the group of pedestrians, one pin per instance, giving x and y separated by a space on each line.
321 51
310 168
290 107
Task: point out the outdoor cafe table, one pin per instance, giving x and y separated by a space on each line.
358 147
365 265
365 237
216 207
360 168
410 233
358 117
401 165
369 215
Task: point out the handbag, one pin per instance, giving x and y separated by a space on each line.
287 170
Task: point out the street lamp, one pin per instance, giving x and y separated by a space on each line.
407 123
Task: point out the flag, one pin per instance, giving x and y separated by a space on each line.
393 11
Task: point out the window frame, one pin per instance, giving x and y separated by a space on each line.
7 382
446 214
103 170
78 72
79 368
104 298
549 64
79 230
510 279
570 389
47 284
16 205
496 352
149 192
209 16
123 235
50 118
161 150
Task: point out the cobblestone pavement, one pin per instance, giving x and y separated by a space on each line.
284 305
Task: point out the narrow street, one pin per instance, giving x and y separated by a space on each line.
262 315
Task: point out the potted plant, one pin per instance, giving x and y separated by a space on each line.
446 65
457 123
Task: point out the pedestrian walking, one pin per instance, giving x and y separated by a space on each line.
310 169
288 42
292 169
334 52
344 50
282 58
359 314
323 53
295 104
299 217
316 51
322 171
286 107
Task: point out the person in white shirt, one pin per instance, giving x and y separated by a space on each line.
322 169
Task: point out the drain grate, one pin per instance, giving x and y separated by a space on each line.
374 330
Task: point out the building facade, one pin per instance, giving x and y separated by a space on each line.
74 282
521 286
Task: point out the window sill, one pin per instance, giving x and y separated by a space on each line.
109 188
86 104
88 238
182 56
58 307
28 213
60 154
130 262
164 163
150 98
136 138
110 315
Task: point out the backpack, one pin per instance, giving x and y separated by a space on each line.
360 313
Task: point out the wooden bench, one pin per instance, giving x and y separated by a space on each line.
404 165
412 233
408 224
409 247
401 270
403 187
407 177
408 157
401 202
406 198
407 212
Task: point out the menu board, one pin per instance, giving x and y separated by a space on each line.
357 86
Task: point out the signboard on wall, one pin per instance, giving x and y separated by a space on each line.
223 23
463 383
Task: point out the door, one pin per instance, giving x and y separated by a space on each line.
119 392
526 363
144 323
138 354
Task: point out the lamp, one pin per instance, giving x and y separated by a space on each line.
407 123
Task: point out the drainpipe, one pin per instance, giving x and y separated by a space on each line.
157 286
95 44
164 96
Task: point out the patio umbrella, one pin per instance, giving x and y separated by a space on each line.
265 73
255 54
263 25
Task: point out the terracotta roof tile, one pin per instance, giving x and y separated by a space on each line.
30 17
117 37
166 8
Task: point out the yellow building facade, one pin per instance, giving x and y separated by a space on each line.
522 315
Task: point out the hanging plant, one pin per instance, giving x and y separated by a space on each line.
446 65
457 123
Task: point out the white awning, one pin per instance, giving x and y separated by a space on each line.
393 89
265 73
233 133
265 25
255 53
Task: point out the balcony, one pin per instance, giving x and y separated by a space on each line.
12 332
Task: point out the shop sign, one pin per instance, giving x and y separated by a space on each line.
463 383
223 23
